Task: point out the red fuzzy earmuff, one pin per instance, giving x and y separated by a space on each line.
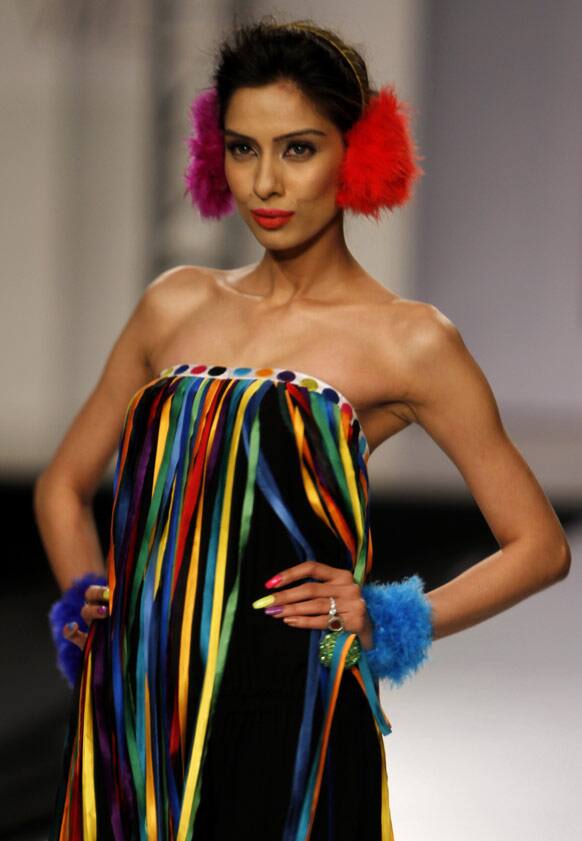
379 166
377 171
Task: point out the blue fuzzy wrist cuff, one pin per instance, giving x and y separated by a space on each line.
68 609
401 617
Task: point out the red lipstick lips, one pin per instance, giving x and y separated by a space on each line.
272 217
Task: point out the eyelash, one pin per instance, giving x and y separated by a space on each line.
233 146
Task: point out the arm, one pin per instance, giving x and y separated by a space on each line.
446 392
64 491
449 396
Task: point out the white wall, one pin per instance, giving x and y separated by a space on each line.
74 186
75 153
501 223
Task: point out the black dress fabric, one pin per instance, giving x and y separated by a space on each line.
197 716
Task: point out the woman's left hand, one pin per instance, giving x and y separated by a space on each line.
307 605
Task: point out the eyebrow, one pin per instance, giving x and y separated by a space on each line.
280 137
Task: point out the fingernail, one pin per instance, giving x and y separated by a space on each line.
102 609
266 600
71 626
274 610
105 594
274 581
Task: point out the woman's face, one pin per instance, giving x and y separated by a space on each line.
281 154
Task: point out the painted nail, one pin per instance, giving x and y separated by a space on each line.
274 610
71 626
274 581
102 609
266 600
105 594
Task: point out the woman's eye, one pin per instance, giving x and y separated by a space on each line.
233 147
298 145
302 150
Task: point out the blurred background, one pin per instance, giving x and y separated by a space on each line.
95 97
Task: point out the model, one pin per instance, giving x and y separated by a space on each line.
230 687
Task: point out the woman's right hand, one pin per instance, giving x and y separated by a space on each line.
95 607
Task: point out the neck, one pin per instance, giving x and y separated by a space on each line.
316 269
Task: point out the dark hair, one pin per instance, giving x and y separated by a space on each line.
263 52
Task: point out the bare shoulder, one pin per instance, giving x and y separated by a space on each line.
435 363
410 332
415 328
416 344
420 325
168 299
177 287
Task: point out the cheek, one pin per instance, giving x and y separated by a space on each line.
239 177
320 185
232 176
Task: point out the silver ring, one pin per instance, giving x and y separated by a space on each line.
334 617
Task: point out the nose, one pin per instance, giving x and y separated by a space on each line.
267 176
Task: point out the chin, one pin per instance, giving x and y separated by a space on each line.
292 234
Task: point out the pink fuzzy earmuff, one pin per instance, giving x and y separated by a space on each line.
204 176
377 171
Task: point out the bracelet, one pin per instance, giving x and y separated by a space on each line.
401 617
68 609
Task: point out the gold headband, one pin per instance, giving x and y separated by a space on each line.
304 25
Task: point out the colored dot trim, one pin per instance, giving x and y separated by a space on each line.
284 375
